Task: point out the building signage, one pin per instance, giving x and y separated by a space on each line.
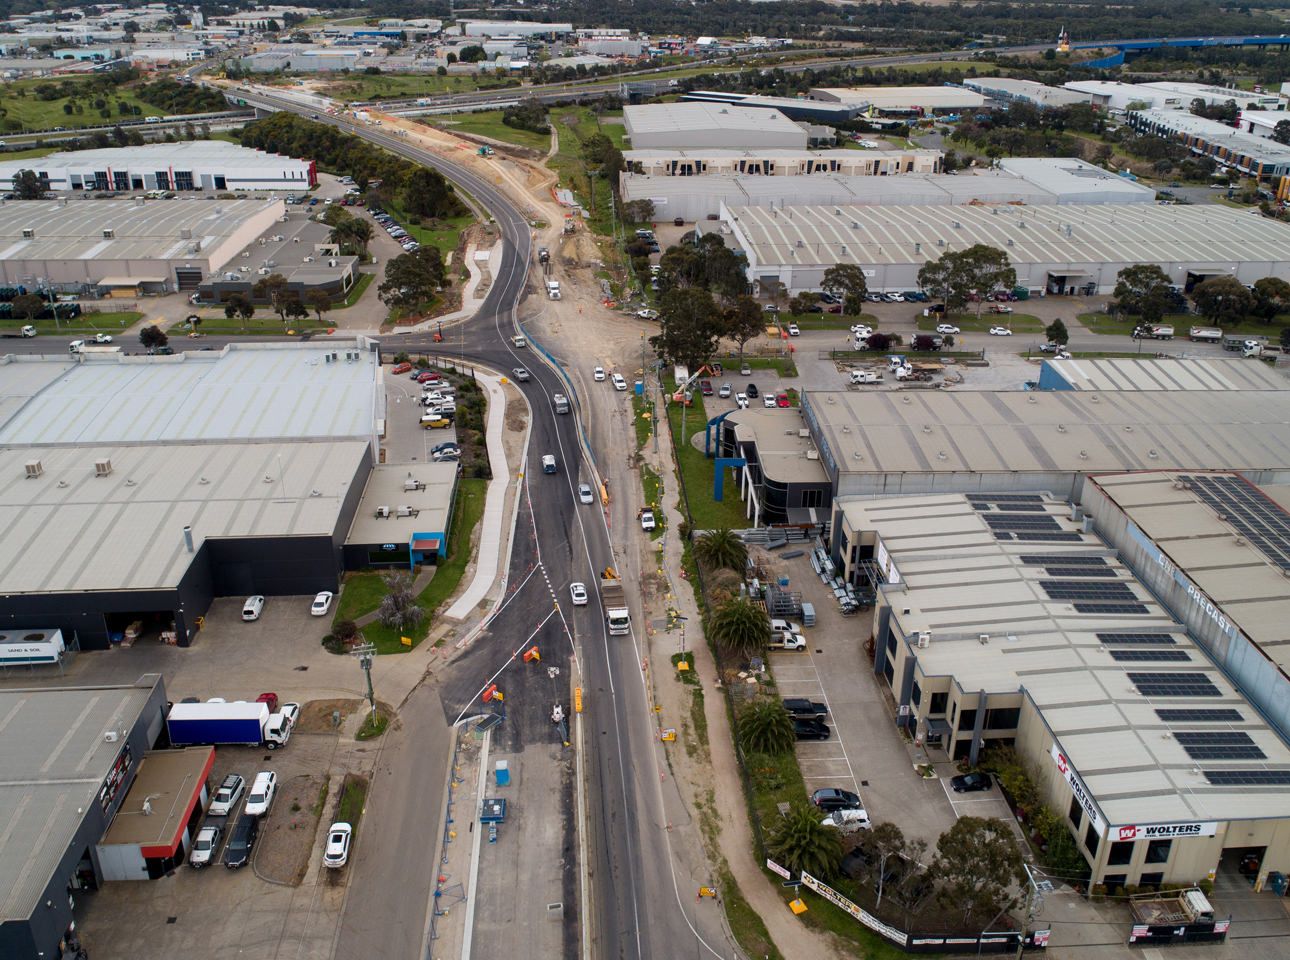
387 546
1194 593
1161 831
1081 792
896 936
116 777
774 867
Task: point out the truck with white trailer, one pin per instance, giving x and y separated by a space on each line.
617 617
1205 334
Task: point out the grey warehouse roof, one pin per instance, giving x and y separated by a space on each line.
675 117
1095 233
1193 373
143 229
161 154
245 392
1065 431
55 762
71 530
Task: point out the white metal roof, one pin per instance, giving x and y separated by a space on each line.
1193 373
185 154
707 117
244 392
1217 134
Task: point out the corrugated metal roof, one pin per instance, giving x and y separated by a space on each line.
673 117
1193 373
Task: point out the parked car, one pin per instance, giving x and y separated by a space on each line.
831 798
102 338
768 400
788 641
584 493
782 401
970 782
263 788
205 846
578 594
752 391
794 330
848 820
647 314
241 841
1050 348
226 797
1000 332
946 328
431 423
520 374
741 401
778 625
811 729
705 387
253 607
648 522
336 853
802 707
598 374
724 392
321 604
401 368
619 383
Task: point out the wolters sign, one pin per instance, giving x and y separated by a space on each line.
1082 795
1163 831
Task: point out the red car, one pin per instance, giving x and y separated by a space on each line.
271 699
427 376
834 308
402 368
781 400
706 387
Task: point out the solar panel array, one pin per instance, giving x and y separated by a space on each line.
1219 745
1045 559
1124 609
1200 715
1063 537
1248 778
1174 685
1021 521
1086 590
983 501
1104 572
1263 523
1142 656
1138 639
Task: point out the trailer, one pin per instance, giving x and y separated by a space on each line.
1154 331
617 617
1205 335
242 722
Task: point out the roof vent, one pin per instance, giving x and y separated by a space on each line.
983 638
812 454
924 640
186 233
34 469
102 468
957 225
109 233
28 233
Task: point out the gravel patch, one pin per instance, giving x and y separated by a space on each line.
288 833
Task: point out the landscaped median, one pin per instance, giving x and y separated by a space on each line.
971 323
87 323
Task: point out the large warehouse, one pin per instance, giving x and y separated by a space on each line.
1004 620
213 165
686 126
758 180
1246 152
903 101
774 162
1054 249
135 489
159 243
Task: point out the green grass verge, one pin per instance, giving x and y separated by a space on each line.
321 802
488 123
697 471
360 593
444 234
24 110
1102 323
573 125
969 322
374 724
641 416
258 325
784 366
652 486
389 86
828 321
112 323
353 798
357 290
471 493
28 154
685 676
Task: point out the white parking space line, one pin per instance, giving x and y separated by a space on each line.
792 670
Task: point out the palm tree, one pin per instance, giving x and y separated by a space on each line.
739 629
721 548
801 842
766 727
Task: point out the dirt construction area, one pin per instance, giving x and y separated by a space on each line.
288 837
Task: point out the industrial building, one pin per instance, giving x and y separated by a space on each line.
903 101
211 165
1119 97
1221 374
761 179
304 59
795 108
71 759
1262 123
135 489
1215 96
849 444
1248 153
684 126
1005 620
773 162
1054 249
1010 90
514 28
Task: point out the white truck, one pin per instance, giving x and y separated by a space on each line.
553 289
866 376
1257 348
88 348
618 618
25 331
1154 331
1206 334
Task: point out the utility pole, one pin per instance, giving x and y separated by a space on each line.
365 652
1036 887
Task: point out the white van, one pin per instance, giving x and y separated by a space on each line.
548 464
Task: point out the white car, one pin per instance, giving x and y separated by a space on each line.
252 609
647 520
227 796
204 846
598 374
102 338
794 330
647 314
578 594
321 604
861 329
619 382
848 820
336 853
263 788
741 401
788 641
768 400
584 493
290 711
520 374
946 328
724 392
784 626
1000 332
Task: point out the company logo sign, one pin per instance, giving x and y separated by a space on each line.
1081 792
1163 831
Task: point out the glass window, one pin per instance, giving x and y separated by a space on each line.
1005 718
1114 881
916 694
1158 851
812 498
1076 812
1091 840
1151 880
889 671
967 719
939 700
1121 854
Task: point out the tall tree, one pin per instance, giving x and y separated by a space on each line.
801 842
1272 297
739 629
427 194
979 867
847 281
1281 132
27 185
319 301
1057 333
275 290
27 305
153 337
982 270
412 279
766 727
691 328
717 549
743 319
1143 290
1223 299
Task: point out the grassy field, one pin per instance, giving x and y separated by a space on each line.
698 471
488 123
968 322
107 322
783 366
25 110
390 86
827 321
361 593
573 125
29 154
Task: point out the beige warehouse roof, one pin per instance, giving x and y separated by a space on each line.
804 236
1194 373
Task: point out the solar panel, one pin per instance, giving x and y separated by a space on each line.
1002 536
1142 656
1263 523
1063 537
1120 608
1006 497
1248 778
1137 638
1095 572
1044 559
1013 521
1174 685
1087 590
1219 745
1185 715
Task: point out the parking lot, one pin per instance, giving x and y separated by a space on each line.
406 441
